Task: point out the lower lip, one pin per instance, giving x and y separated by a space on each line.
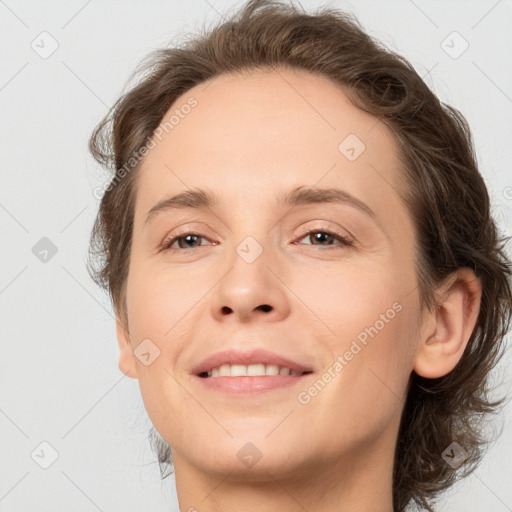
257 384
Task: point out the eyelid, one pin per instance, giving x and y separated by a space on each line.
170 239
345 240
327 228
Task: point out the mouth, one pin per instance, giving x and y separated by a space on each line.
252 370
240 373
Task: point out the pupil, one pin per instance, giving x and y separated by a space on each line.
318 236
187 238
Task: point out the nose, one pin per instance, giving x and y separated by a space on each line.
251 291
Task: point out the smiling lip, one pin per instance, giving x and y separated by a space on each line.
255 356
246 384
250 384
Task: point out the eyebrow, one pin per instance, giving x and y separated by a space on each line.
204 199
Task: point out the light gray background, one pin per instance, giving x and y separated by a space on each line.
60 380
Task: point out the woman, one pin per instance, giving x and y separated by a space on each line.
307 281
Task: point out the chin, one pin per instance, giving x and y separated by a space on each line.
246 457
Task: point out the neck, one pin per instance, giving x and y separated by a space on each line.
359 482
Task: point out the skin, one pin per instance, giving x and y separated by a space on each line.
250 137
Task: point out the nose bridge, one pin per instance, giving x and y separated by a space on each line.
254 246
250 232
250 265
251 248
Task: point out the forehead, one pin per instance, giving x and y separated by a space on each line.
250 132
258 112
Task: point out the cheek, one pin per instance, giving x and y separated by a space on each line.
161 304
348 300
367 328
161 317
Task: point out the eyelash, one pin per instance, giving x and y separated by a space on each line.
345 242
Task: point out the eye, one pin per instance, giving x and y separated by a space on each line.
324 237
186 242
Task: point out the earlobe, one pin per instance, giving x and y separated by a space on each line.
450 326
127 363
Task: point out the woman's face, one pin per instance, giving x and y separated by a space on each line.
259 273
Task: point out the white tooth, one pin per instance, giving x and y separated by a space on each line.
256 369
259 369
225 370
238 370
272 369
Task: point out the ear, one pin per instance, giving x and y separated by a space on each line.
446 331
127 363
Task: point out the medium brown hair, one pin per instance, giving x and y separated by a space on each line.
442 188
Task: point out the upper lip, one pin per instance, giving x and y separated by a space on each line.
255 356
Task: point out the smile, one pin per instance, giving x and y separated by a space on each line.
252 370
